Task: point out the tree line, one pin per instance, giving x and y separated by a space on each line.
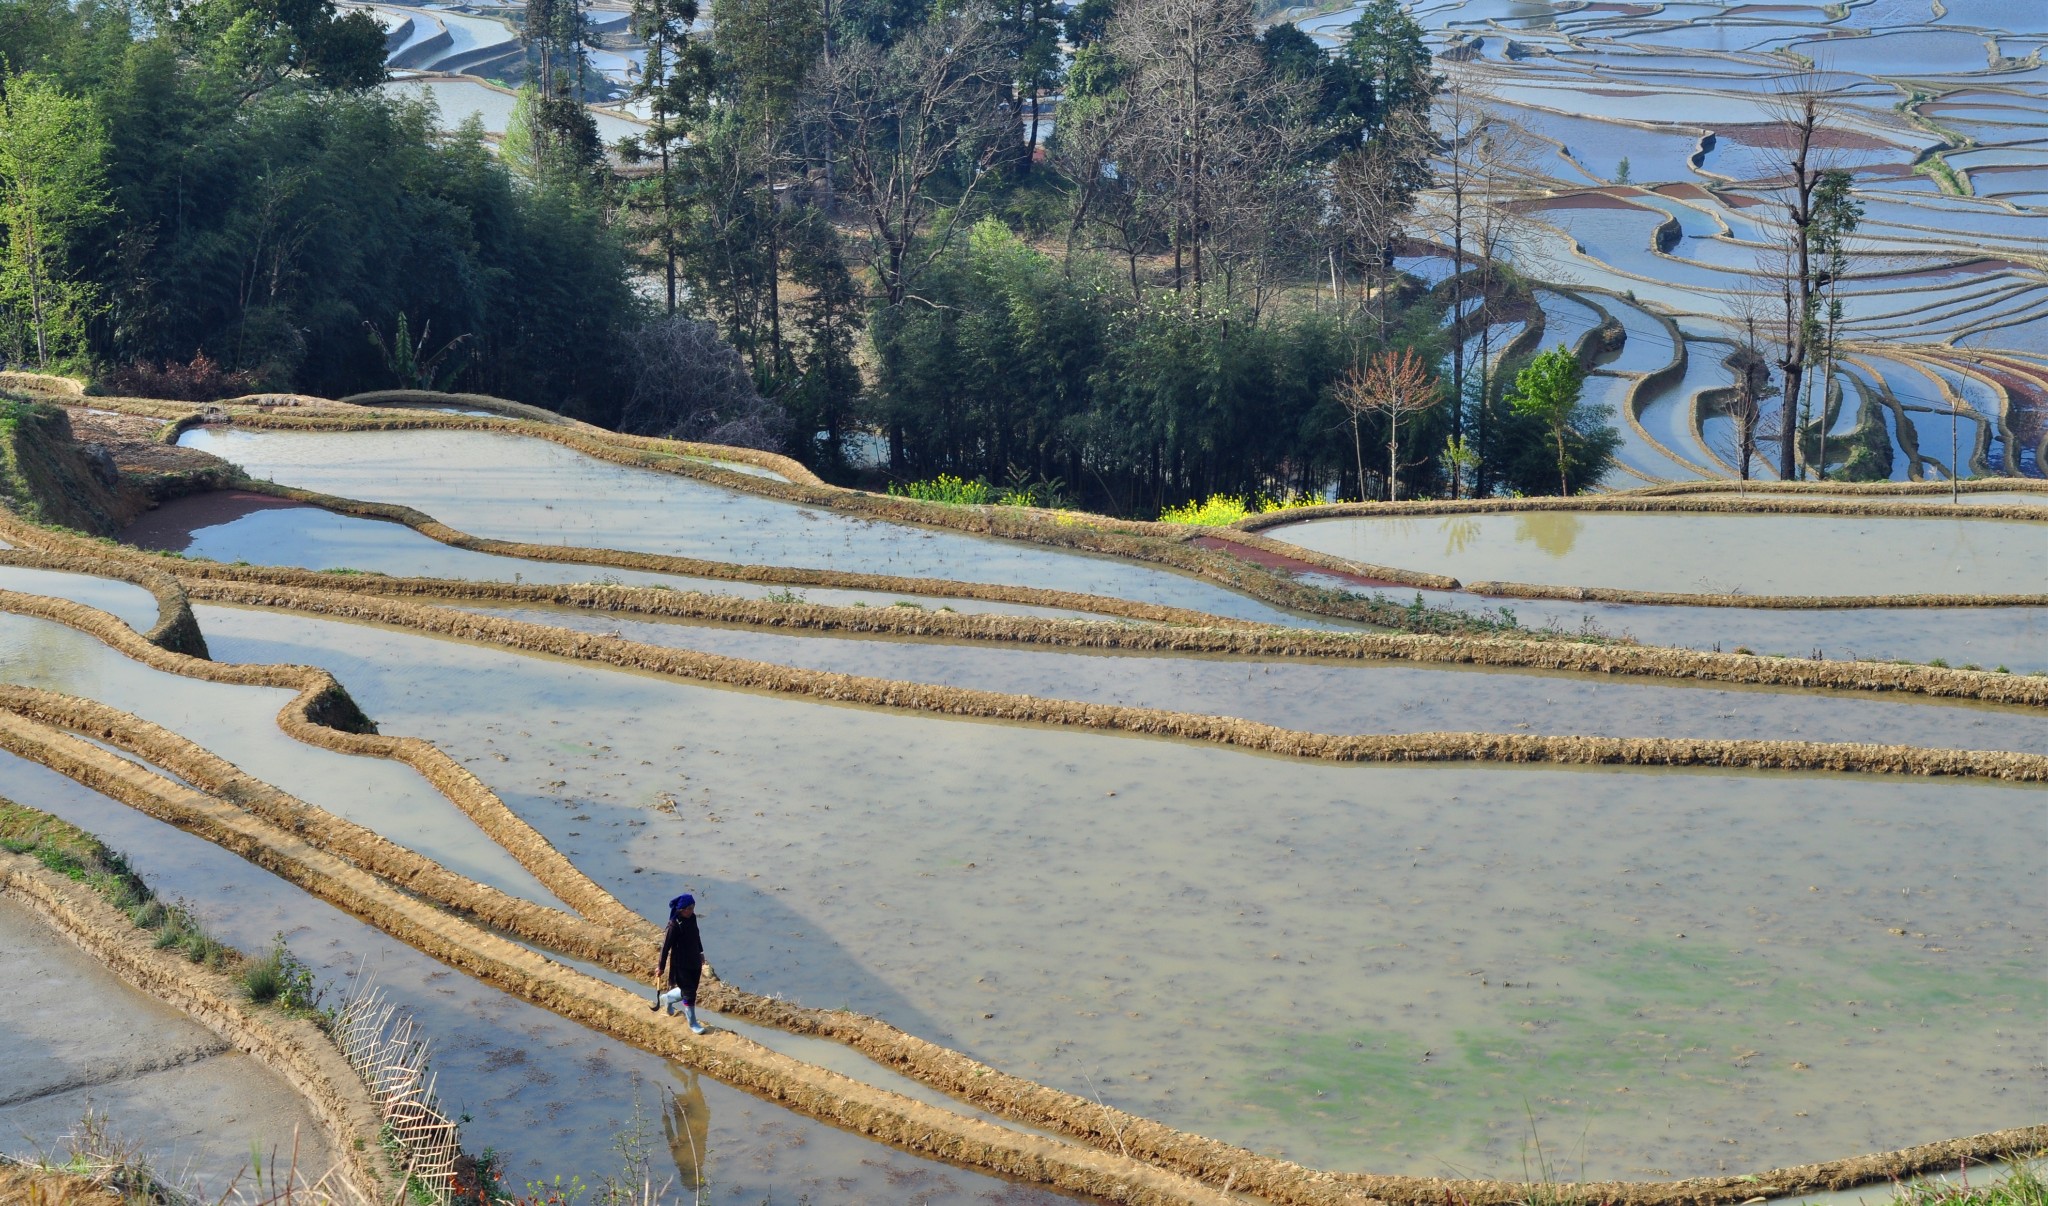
858 229
218 183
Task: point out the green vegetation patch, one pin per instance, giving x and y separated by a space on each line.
1625 1017
44 477
1222 510
2022 1185
278 978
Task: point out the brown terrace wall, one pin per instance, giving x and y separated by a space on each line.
992 705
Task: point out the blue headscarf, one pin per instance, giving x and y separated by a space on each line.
680 903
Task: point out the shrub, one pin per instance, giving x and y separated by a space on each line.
281 978
946 488
263 979
1215 511
1221 510
200 380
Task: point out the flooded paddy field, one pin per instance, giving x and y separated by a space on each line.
1699 553
2013 637
1373 967
1635 117
263 530
239 723
547 1095
133 605
78 1038
517 488
1352 697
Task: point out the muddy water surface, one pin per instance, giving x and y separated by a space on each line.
2015 638
134 606
1375 967
75 1037
548 1095
1369 697
260 530
525 489
240 724
1701 553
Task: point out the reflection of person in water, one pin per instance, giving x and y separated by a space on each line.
687 1123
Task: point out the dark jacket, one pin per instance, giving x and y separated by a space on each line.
682 951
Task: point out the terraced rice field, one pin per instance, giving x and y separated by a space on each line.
1070 846
1657 144
1687 835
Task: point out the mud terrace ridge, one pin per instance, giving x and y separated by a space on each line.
364 892
294 1048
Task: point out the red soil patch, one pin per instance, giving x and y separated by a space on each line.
171 526
1777 136
2028 414
1292 565
1972 268
1608 198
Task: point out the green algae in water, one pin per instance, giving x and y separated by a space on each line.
1686 1013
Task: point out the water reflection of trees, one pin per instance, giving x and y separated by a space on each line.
686 1122
1459 533
1555 532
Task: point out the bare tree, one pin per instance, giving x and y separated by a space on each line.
1395 385
1372 190
1459 120
1497 232
1213 129
903 116
1092 149
1750 389
689 384
1797 165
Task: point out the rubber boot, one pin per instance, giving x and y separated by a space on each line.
690 1012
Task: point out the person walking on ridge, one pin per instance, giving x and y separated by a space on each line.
681 962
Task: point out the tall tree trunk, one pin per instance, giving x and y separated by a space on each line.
1394 455
774 252
1358 450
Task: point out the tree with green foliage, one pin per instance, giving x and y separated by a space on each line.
1547 392
1390 66
246 47
828 387
672 81
409 360
561 136
765 51
1836 215
52 191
